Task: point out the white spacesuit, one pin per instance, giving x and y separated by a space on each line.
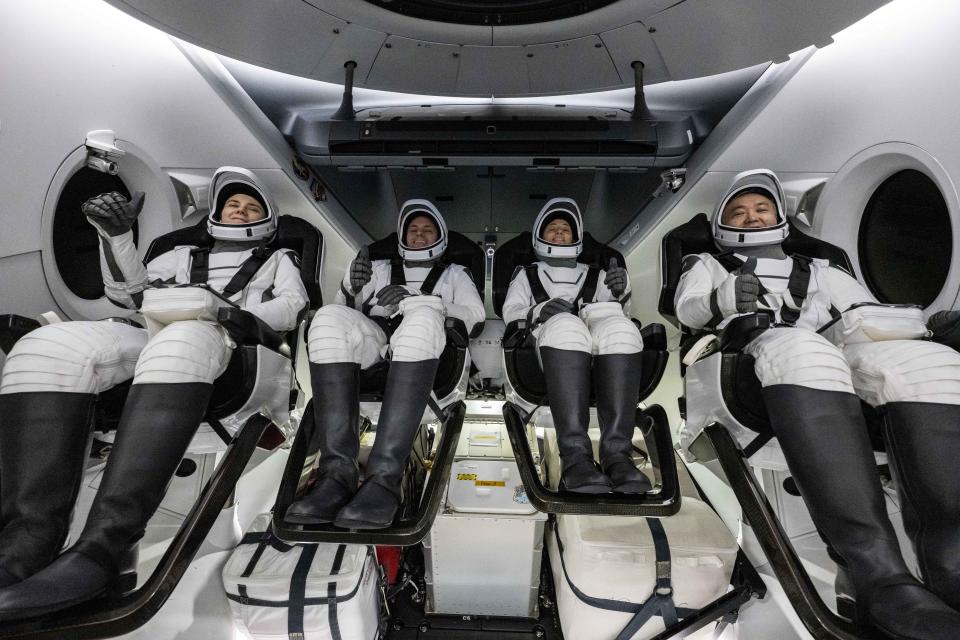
356 332
53 374
578 316
812 386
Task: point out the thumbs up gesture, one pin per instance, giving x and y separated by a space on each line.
361 270
616 279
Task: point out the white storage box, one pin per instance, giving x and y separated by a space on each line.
322 591
614 558
483 553
172 304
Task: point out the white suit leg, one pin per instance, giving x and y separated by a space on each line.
186 351
799 357
905 371
341 334
420 335
564 331
73 357
614 335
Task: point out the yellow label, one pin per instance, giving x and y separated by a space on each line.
490 483
466 476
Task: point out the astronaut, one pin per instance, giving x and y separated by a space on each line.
53 375
357 331
578 315
812 389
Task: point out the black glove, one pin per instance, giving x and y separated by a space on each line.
616 278
112 213
361 270
391 295
747 292
945 326
552 307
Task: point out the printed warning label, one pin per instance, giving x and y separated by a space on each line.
490 483
466 476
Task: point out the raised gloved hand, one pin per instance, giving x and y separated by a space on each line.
616 278
739 294
111 213
546 310
361 270
391 295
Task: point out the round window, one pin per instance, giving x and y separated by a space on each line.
905 240
75 243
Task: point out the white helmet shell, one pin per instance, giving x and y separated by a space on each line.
225 180
410 210
558 207
762 180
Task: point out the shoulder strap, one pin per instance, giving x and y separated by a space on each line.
247 270
431 280
797 286
728 261
199 265
396 272
536 286
589 289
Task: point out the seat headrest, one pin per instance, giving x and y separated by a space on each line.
292 233
460 250
518 252
696 236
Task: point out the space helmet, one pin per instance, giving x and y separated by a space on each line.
410 210
762 181
229 181
567 209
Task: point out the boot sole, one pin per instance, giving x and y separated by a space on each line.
303 519
632 488
592 489
36 612
361 524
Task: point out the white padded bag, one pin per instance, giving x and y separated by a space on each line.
320 591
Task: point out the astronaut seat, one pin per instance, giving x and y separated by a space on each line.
526 392
259 377
445 406
251 395
719 380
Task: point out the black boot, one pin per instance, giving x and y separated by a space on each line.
336 410
923 440
158 423
404 400
43 445
567 375
824 440
618 390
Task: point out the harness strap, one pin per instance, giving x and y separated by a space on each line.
536 286
797 286
396 272
397 276
247 270
589 289
199 265
431 280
